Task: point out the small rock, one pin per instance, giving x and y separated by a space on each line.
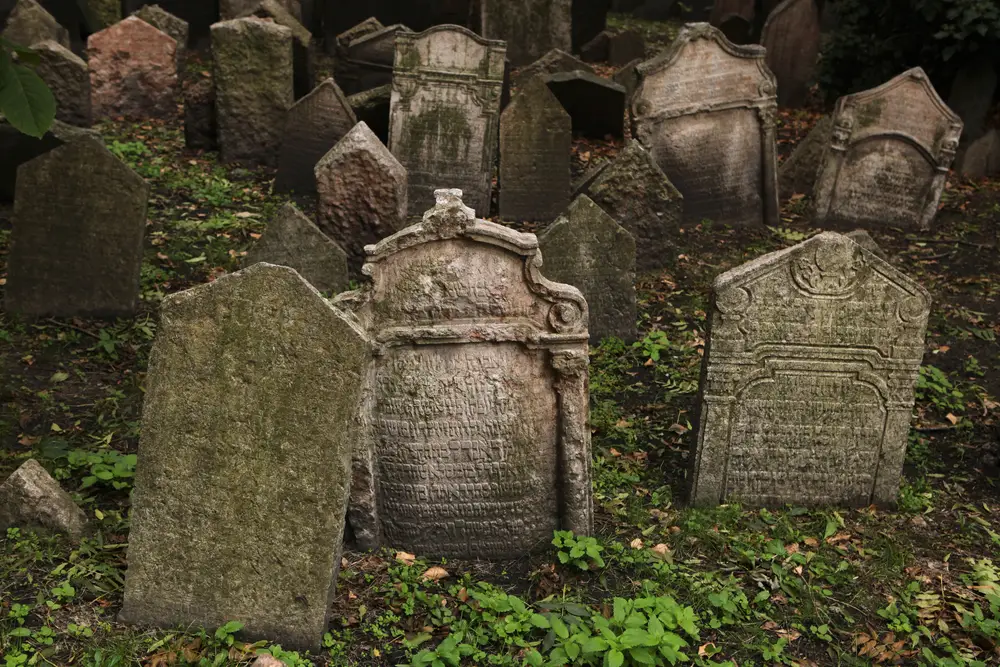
30 498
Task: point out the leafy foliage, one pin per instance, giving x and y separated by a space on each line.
25 100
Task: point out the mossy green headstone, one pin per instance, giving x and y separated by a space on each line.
530 27
244 463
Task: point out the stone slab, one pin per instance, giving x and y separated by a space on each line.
164 21
596 104
530 27
32 500
67 76
791 36
554 61
29 23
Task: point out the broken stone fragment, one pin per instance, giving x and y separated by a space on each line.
30 498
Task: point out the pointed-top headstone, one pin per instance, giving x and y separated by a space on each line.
792 39
29 23
31 499
313 126
67 76
163 20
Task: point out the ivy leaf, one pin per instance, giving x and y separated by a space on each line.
25 100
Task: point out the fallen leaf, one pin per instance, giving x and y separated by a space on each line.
405 558
952 418
636 543
661 550
435 573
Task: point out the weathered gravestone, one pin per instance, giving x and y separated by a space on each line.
530 27
706 111
31 499
76 247
366 27
29 24
807 386
372 108
67 76
366 61
244 462
102 13
972 94
888 157
637 194
587 249
797 174
133 71
478 444
445 111
362 193
234 9
198 15
626 46
252 67
552 62
166 22
792 39
313 126
17 148
628 78
536 139
596 50
293 240
596 104
303 56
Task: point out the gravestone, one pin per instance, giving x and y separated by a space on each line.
253 378
634 191
166 22
79 220
706 111
133 71
31 499
303 57
865 240
198 15
366 27
313 126
372 108
201 128
628 78
366 61
362 193
792 38
445 111
590 17
596 104
807 385
252 67
477 444
972 94
552 62
587 249
536 139
103 13
293 240
530 27
234 9
596 50
67 76
723 9
888 156
624 47
797 174
18 148
981 158
29 24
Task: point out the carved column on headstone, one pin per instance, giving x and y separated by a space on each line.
946 155
826 181
767 112
572 386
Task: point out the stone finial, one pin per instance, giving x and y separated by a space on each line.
450 216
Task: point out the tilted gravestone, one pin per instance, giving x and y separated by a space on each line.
706 111
252 68
792 39
67 76
293 240
587 249
596 104
313 126
366 27
888 156
797 174
303 56
372 107
554 61
478 444
133 71
536 139
626 46
17 148
76 247
638 195
29 24
530 27
166 22
808 379
366 61
244 466
445 111
362 193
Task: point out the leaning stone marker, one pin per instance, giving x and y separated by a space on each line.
133 71
888 157
67 76
530 27
18 148
596 104
445 111
29 23
706 111
244 462
792 39
366 61
76 247
166 22
478 444
807 389
252 68
313 126
362 193
587 249
293 240
31 499
797 174
554 61
536 139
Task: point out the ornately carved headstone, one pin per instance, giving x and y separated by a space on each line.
478 439
792 39
587 249
536 138
79 220
530 27
313 126
244 464
67 76
807 388
706 111
889 156
445 112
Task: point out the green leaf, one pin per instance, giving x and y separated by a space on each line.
637 637
614 658
25 100
539 621
534 659
642 656
559 628
594 645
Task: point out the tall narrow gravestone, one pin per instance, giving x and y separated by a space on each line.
792 39
76 247
536 139
706 111
478 444
888 156
244 465
445 111
530 27
807 386
67 76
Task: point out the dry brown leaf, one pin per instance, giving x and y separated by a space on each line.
405 558
636 543
436 573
